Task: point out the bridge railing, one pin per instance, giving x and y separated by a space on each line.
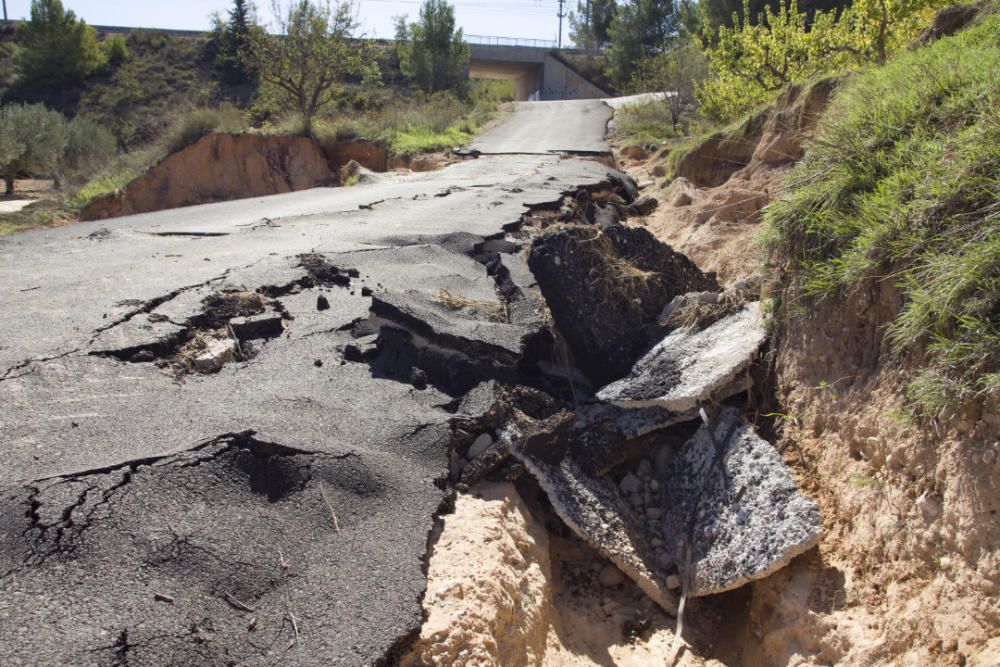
489 40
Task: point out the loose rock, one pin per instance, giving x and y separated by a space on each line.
611 576
479 445
630 484
217 353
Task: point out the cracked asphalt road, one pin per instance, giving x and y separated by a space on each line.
277 511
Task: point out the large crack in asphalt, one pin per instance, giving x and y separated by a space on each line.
350 403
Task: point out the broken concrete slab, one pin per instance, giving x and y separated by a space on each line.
730 496
688 367
605 289
595 510
264 325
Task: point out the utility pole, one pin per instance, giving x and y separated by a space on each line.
4 10
561 14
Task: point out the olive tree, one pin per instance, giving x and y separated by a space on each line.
32 140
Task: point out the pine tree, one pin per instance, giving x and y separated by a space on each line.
431 51
57 50
590 22
640 28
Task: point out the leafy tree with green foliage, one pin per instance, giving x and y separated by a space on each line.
305 64
640 28
676 72
32 139
754 59
56 49
431 51
703 18
233 37
590 24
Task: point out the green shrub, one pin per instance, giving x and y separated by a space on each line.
412 124
89 148
115 50
117 174
902 183
761 54
645 123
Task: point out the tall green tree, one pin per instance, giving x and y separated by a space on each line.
32 140
431 51
590 23
307 63
640 28
56 49
233 36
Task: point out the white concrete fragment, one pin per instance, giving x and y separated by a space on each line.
216 354
735 501
687 367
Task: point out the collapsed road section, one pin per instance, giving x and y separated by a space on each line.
230 429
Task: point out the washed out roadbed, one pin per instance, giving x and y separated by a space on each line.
231 429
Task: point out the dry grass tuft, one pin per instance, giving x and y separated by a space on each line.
495 312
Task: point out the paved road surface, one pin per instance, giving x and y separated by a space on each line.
549 127
277 511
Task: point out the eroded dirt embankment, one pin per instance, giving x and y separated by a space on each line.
219 167
907 570
222 167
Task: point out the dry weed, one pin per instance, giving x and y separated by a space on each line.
495 312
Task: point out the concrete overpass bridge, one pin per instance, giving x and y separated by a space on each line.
536 67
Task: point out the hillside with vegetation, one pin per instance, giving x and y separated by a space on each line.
146 94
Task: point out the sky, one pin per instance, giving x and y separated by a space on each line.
532 19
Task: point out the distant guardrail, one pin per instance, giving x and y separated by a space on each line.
524 43
489 40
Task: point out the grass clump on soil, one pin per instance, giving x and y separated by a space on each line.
40 214
643 124
902 183
412 124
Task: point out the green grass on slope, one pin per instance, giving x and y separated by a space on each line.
644 123
902 183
